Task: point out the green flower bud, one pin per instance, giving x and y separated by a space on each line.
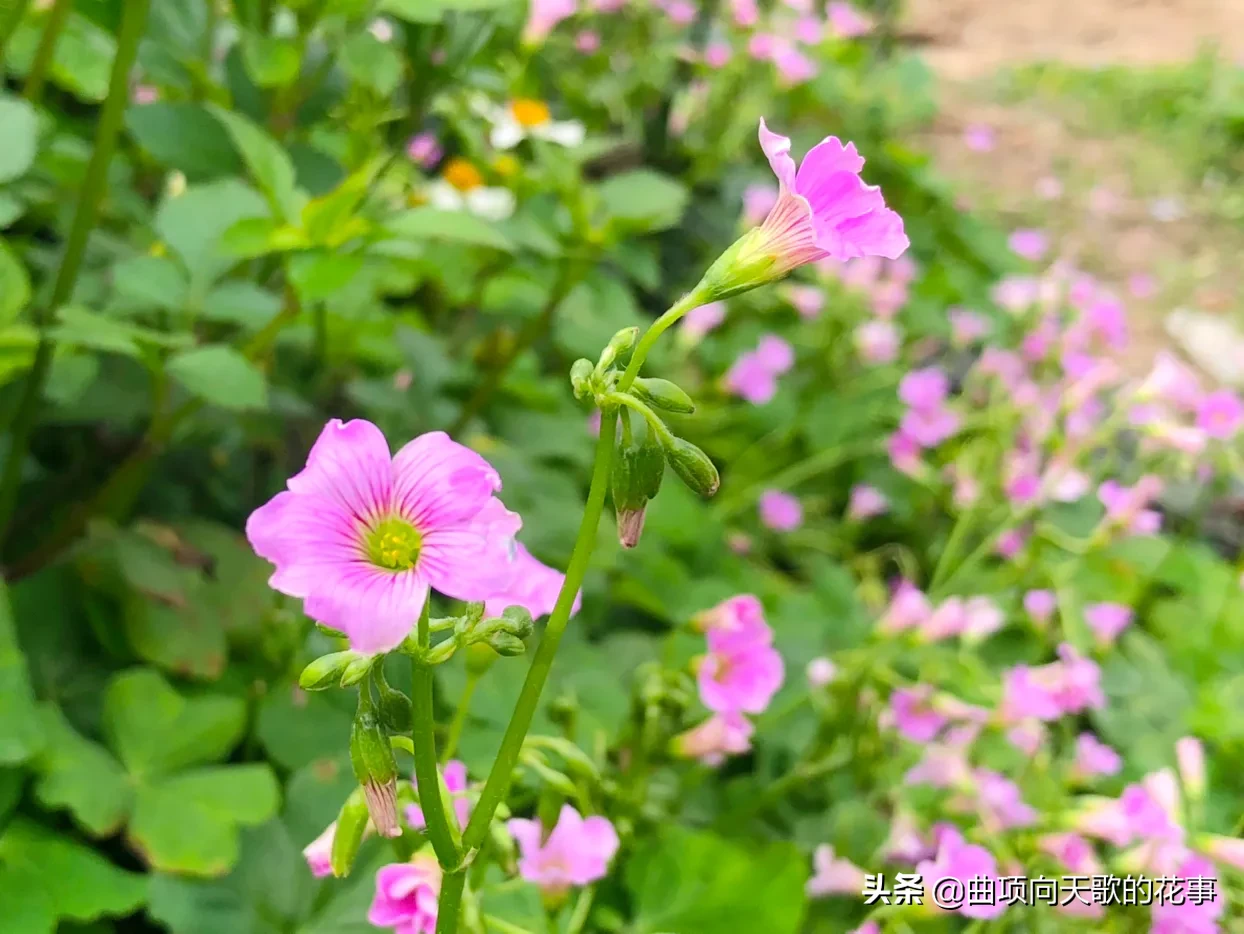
581 377
376 770
662 394
396 712
506 644
618 347
325 671
349 832
692 465
357 669
629 482
650 465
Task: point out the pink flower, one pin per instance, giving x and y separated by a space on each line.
929 427
1027 736
982 617
587 41
741 615
820 672
544 15
1183 915
808 300
924 389
866 502
1093 757
145 94
406 895
717 55
823 209
847 22
792 65
908 608
319 852
1072 850
780 511
751 380
721 735
577 851
877 341
888 298
741 672
455 773
1000 802
532 585
945 764
1049 188
1190 756
1028 243
1040 605
776 354
681 12
904 452
913 715
809 30
702 319
1220 414
957 859
1142 285
762 46
1226 850
868 927
745 12
1016 293
967 327
833 875
360 536
1070 685
979 138
1107 620
758 200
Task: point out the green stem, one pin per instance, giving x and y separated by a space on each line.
692 299
460 716
501 926
36 78
502 773
133 23
440 832
450 901
9 26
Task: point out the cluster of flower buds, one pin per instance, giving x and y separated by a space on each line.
643 452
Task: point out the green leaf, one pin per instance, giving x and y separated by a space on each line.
80 327
297 728
425 223
268 162
80 776
413 11
155 730
317 274
10 209
48 875
183 136
14 284
271 61
175 637
19 128
17 350
151 282
241 303
188 823
222 376
82 60
643 200
20 736
371 63
698 883
193 223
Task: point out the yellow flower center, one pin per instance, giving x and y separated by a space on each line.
529 112
506 165
462 175
394 544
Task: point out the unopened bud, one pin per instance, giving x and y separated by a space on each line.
350 829
581 377
506 644
357 669
395 710
382 806
662 394
325 671
692 465
504 634
376 770
618 347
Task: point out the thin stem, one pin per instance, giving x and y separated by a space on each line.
460 716
582 909
501 926
133 23
46 52
427 779
450 901
692 299
9 26
502 773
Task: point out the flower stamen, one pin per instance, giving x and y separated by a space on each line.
394 544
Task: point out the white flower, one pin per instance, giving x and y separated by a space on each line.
462 188
381 29
526 117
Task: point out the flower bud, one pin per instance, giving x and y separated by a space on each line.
662 394
1190 756
619 345
504 634
506 644
350 830
692 465
376 770
357 669
629 500
326 671
581 377
396 712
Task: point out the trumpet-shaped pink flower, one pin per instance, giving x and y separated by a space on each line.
741 616
531 584
360 536
1185 915
924 389
913 713
780 511
406 895
742 671
721 735
1040 605
319 852
455 773
833 875
577 851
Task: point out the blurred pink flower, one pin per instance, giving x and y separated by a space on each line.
741 672
544 15
833 875
145 94
945 764
809 30
1029 244
820 672
877 341
808 300
702 319
964 861
967 327
406 895
721 735
1093 757
866 502
1072 850
1184 915
577 851
908 608
1016 293
758 200
904 452
717 55
846 22
762 46
776 354
1107 620
780 511
888 298
1049 188
1142 285
745 12
1190 757
979 137
792 65
361 535
587 41
319 852
742 615
1220 414
1040 605
912 713
1103 201
455 773
1000 802
681 12
750 379
924 389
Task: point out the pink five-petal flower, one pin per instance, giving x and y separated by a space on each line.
721 735
406 895
455 772
833 875
739 673
577 851
924 389
1000 802
531 584
360 535
780 511
751 379
964 861
1220 414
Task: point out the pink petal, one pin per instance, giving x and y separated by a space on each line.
374 607
777 150
455 773
349 465
439 482
526 833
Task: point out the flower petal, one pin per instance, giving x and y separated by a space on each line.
349 465
507 133
473 560
308 538
526 833
438 482
777 150
374 607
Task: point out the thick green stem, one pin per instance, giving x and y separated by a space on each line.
8 25
502 773
442 834
133 24
692 299
450 901
37 77
460 716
